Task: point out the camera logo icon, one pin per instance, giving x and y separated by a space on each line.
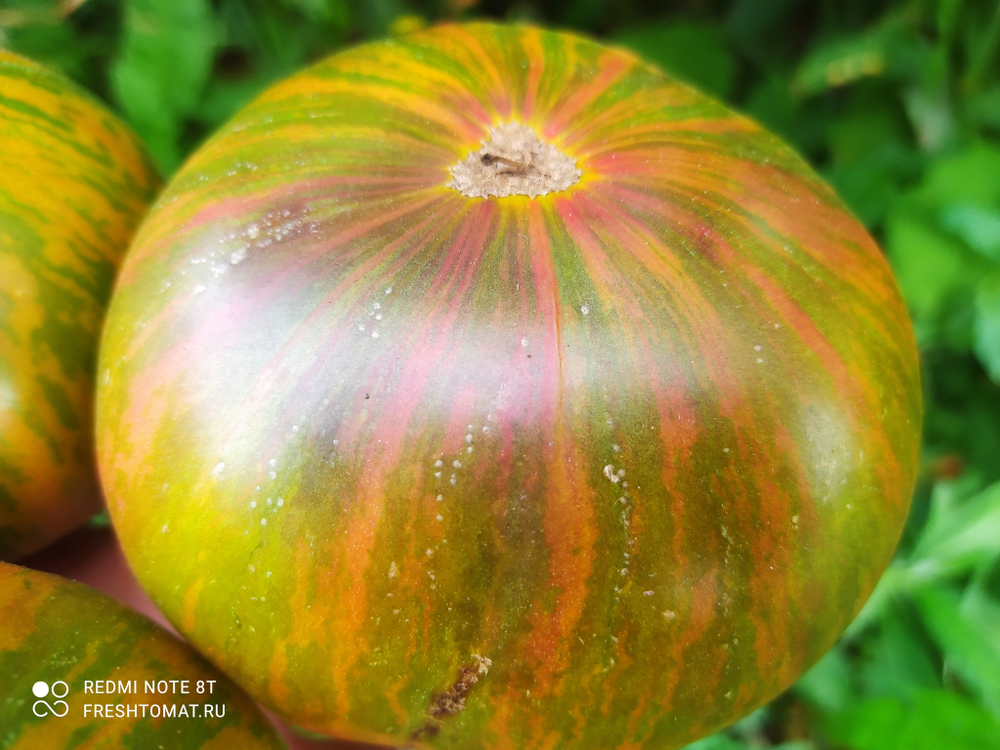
58 690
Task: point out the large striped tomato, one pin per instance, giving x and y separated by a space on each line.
74 183
80 670
606 467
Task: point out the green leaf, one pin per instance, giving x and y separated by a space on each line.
930 111
377 15
930 265
723 742
983 611
963 414
970 176
14 13
165 62
898 658
828 684
716 742
937 720
695 52
326 11
986 327
841 62
984 54
974 657
871 155
53 44
890 46
804 124
749 20
983 108
977 226
947 14
961 536
943 239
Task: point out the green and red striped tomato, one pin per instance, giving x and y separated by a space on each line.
604 468
82 671
74 183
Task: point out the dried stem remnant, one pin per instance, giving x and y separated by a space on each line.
514 161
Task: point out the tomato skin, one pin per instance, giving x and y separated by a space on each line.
631 455
58 631
74 184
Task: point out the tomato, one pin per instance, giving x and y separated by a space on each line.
597 441
74 183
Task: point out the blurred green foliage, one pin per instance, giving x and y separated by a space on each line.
897 104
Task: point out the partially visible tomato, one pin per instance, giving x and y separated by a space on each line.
74 183
81 670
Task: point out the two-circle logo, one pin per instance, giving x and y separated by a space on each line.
59 689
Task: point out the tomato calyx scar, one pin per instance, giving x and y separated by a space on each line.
514 161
